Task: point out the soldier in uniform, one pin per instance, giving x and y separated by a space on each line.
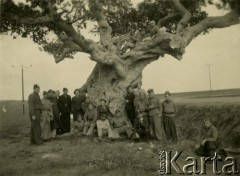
141 105
120 125
208 139
155 115
65 110
169 115
35 110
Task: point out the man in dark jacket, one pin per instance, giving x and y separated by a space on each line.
77 101
130 105
65 106
35 109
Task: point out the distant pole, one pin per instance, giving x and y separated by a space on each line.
210 77
22 74
23 91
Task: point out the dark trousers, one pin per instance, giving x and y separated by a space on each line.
170 128
131 116
208 149
142 128
65 119
76 113
36 128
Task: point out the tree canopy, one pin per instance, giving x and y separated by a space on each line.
117 21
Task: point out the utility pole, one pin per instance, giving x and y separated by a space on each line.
22 74
210 77
23 91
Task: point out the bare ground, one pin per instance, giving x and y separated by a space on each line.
72 155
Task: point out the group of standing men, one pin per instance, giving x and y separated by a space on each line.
149 116
50 116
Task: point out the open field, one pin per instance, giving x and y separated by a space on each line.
216 97
72 155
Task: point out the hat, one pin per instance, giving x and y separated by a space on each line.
150 90
35 86
103 99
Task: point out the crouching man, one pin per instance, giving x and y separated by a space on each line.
208 140
120 126
90 118
103 127
141 128
78 125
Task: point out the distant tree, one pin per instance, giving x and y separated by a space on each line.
130 38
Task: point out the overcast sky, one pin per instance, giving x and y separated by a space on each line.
220 48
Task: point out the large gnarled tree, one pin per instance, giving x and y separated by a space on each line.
130 38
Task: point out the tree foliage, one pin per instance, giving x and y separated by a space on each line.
39 19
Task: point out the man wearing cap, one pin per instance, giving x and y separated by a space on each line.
130 105
155 115
77 101
208 139
169 114
65 110
35 109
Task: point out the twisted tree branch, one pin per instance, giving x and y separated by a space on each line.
231 18
186 15
105 29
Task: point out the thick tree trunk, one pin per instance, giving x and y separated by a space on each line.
104 82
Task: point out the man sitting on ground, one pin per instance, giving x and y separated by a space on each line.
103 127
121 126
208 137
78 125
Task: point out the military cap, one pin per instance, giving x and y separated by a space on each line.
167 93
